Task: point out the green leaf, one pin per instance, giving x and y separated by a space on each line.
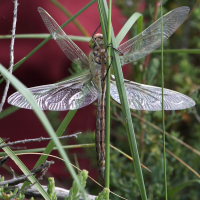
181 186
103 195
127 26
75 189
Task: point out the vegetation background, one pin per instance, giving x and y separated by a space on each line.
49 65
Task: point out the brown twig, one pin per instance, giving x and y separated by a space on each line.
68 14
11 54
192 9
23 178
36 140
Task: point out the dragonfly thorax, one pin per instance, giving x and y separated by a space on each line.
97 60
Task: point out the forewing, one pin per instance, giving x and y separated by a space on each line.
67 95
145 97
71 50
150 39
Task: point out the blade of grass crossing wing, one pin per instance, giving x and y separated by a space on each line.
59 133
41 116
128 122
163 112
126 113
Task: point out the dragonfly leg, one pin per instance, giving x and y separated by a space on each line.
110 45
120 54
107 69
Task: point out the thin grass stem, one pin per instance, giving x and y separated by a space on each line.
44 36
163 112
68 14
107 171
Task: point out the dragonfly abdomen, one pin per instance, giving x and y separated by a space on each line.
100 135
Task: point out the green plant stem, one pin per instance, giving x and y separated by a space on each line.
125 106
44 36
37 150
68 14
128 25
47 39
8 111
107 170
59 133
190 51
163 112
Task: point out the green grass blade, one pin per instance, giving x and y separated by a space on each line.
59 133
44 36
41 116
190 51
24 169
128 120
37 150
125 109
107 167
163 112
8 111
127 26
68 14
181 186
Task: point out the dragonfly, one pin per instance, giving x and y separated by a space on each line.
85 89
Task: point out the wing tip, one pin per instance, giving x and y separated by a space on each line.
40 9
184 9
192 103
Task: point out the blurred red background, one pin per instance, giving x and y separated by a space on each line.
48 65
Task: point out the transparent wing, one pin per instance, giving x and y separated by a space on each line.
71 50
67 95
150 39
145 97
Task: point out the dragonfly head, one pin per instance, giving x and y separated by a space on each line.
96 41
